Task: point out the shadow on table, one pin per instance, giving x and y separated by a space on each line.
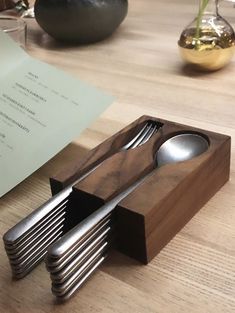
192 71
118 264
41 38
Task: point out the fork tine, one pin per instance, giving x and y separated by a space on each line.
139 141
130 143
149 135
140 138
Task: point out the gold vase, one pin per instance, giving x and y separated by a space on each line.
208 43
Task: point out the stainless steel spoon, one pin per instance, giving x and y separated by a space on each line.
179 148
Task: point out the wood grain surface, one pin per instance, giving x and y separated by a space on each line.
140 66
153 213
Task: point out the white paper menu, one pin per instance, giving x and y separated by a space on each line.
42 109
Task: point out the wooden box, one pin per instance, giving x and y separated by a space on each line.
149 217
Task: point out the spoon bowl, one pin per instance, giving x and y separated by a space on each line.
181 148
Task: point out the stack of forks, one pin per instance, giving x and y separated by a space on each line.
26 244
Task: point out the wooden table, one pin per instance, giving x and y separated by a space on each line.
141 67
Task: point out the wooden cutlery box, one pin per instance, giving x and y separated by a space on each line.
150 216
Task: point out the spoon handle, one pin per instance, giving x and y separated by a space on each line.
81 230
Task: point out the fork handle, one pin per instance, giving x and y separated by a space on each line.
37 215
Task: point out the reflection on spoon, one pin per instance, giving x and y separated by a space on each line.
181 148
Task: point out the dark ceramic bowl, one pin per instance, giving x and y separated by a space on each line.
80 21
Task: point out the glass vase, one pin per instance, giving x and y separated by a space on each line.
208 42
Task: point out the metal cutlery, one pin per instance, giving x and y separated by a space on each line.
27 242
70 266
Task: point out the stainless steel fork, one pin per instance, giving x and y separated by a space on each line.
27 242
